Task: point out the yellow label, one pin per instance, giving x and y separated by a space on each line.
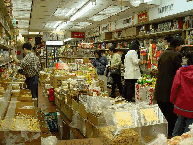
149 114
124 118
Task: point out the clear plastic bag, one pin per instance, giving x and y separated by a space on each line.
75 119
51 140
160 140
188 141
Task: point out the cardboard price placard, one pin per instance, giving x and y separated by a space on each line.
89 141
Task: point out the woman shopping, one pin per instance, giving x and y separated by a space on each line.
100 62
115 71
132 71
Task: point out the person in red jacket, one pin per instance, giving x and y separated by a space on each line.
182 97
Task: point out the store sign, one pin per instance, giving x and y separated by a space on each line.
142 17
78 34
165 9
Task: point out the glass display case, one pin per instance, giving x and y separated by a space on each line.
136 124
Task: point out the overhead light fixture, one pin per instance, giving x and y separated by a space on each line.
68 39
146 1
33 32
57 24
70 12
61 26
137 2
82 11
54 43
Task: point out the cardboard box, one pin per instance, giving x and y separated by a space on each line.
106 36
69 112
31 112
75 105
66 131
92 141
82 110
69 99
91 130
86 60
22 98
19 105
93 119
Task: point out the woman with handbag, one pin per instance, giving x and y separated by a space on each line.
132 72
115 71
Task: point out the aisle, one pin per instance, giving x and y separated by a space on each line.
46 107
44 103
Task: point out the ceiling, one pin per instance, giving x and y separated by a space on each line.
46 15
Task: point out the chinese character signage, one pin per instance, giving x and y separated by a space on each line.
143 17
78 34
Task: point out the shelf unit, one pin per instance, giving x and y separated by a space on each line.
6 34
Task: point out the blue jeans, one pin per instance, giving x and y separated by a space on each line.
180 124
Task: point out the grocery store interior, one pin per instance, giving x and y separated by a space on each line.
102 65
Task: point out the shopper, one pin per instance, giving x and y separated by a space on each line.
132 72
169 62
30 66
101 62
115 71
182 97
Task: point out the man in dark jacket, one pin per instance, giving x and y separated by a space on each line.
169 62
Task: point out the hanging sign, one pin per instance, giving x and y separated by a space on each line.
78 34
143 17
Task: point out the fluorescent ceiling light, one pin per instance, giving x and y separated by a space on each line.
61 26
70 12
82 11
57 24
54 42
146 1
137 2
68 39
33 32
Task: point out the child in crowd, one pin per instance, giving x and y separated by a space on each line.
182 97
